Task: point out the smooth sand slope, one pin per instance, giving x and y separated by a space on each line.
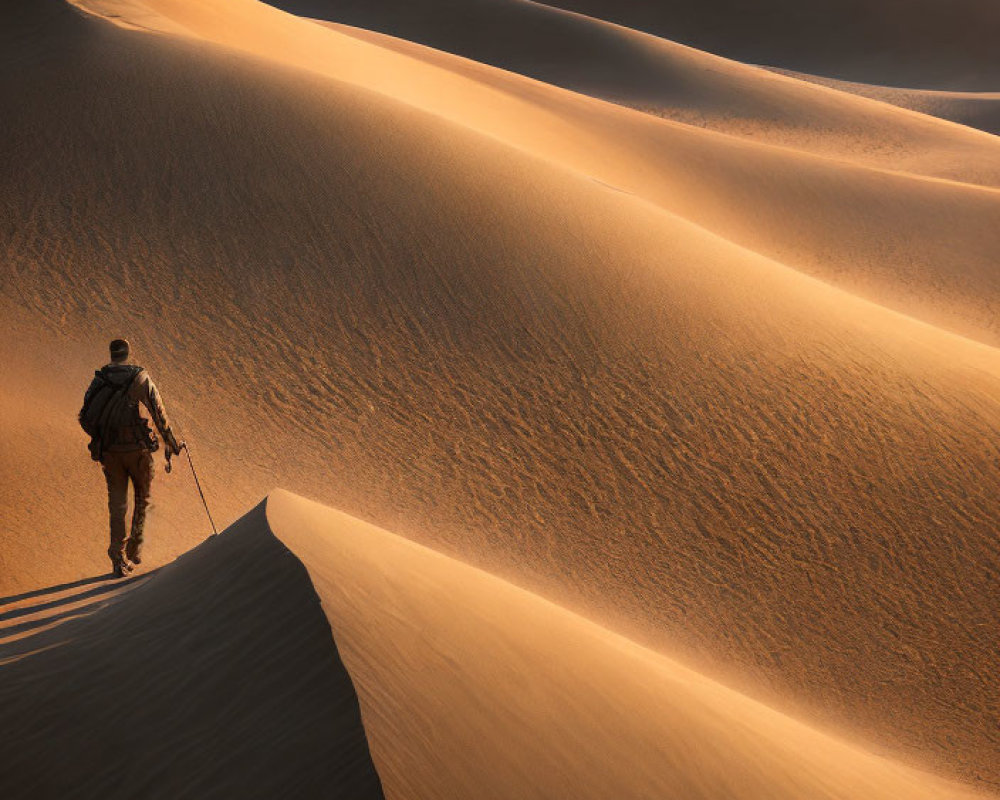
918 43
924 247
975 109
472 340
671 80
553 706
215 678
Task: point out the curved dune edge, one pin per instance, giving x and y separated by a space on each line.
885 235
671 80
980 110
927 44
217 677
854 129
471 687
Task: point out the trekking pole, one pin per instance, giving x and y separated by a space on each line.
197 483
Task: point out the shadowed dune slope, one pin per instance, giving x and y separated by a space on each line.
919 43
217 678
552 706
674 81
924 247
489 350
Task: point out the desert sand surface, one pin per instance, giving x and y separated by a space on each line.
551 705
974 109
685 85
639 70
878 232
738 402
127 700
582 54
554 706
923 44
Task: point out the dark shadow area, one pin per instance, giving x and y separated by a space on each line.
108 585
59 587
25 648
234 683
14 630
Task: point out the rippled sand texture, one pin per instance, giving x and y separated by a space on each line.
552 706
735 400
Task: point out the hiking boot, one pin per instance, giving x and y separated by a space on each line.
120 569
133 551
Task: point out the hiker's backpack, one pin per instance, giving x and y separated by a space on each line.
105 409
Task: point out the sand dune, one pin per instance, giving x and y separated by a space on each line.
216 677
539 702
674 81
975 109
884 235
554 706
476 320
584 55
923 44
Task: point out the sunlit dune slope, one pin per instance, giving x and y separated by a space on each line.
215 678
927 248
917 43
470 687
671 80
483 347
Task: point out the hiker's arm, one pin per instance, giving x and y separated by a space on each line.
150 398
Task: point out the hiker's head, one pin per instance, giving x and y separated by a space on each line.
119 350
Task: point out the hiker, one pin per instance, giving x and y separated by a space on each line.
122 440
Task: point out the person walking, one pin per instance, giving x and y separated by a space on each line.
122 440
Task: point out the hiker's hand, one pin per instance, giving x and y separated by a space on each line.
174 448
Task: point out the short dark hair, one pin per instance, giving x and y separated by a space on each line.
119 349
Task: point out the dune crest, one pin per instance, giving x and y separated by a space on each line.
552 706
217 677
975 109
674 81
929 45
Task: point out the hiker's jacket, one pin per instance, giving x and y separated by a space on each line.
130 430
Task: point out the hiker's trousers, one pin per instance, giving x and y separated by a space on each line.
120 468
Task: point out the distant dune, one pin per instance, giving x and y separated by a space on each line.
216 677
736 401
884 233
916 43
602 60
975 109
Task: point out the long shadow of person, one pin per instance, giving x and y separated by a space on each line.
59 587
79 601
